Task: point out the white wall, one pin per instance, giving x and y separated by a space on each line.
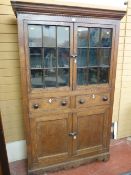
16 150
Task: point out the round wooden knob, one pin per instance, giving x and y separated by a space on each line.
64 103
105 98
35 106
81 101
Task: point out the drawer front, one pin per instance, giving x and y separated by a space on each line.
92 99
52 103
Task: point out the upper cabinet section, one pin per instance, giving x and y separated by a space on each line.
66 46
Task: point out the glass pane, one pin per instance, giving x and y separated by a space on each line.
35 58
94 37
37 78
105 57
94 57
35 36
104 75
93 75
81 76
63 57
63 77
82 57
63 37
83 37
50 77
50 57
49 36
106 37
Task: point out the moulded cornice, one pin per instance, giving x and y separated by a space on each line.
45 8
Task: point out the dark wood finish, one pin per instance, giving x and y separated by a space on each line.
66 126
1 170
4 166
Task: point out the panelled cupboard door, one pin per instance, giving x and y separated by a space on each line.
49 138
92 128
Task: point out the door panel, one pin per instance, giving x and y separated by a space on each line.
50 137
90 131
92 126
49 130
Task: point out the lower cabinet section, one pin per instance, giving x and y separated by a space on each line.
58 139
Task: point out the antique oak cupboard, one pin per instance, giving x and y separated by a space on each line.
68 64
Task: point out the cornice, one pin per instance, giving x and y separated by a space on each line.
44 8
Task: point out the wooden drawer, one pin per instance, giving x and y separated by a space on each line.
92 100
52 103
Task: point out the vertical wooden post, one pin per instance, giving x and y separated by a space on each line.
4 166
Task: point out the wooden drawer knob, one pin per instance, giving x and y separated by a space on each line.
63 103
35 106
105 98
81 101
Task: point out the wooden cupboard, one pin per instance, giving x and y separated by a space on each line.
68 60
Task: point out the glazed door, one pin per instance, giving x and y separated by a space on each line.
94 49
50 47
92 83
